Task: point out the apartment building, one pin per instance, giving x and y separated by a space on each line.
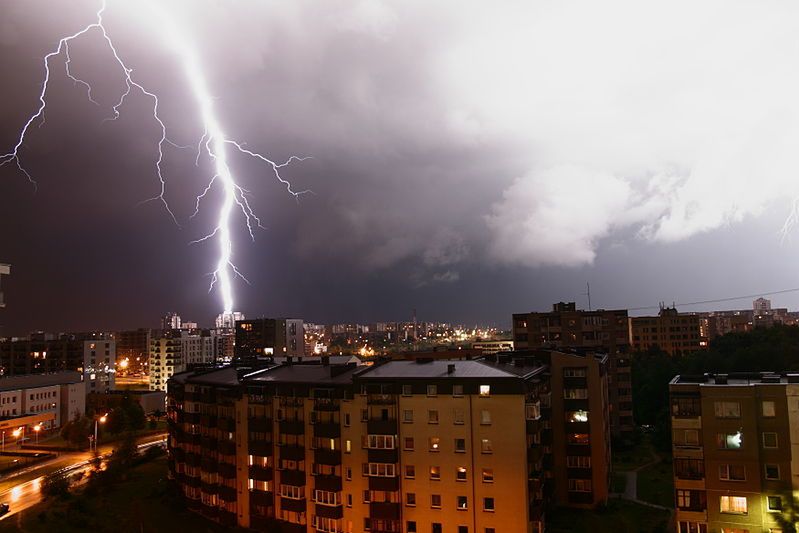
58 397
733 442
92 354
401 446
265 337
605 331
674 333
173 351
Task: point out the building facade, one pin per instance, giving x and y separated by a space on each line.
674 333
734 438
401 446
58 397
265 337
605 331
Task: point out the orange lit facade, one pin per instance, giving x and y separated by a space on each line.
401 446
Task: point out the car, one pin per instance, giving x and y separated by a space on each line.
3 508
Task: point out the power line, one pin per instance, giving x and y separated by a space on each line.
719 300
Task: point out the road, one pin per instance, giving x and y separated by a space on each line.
28 493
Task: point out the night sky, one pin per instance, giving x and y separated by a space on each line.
468 163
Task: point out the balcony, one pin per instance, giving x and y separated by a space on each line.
329 483
292 427
382 456
227 470
208 464
326 404
209 488
260 448
330 430
208 421
193 459
227 424
330 511
384 510
292 452
327 457
381 427
384 483
263 425
258 497
289 504
381 399
293 477
261 473
226 447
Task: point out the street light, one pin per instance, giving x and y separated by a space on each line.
17 432
37 428
101 420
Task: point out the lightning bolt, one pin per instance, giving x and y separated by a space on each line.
213 143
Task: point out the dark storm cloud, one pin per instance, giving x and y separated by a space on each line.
468 162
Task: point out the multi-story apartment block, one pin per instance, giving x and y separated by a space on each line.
265 337
134 346
674 333
54 398
174 351
734 442
605 331
92 355
401 446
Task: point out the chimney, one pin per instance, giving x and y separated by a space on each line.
451 368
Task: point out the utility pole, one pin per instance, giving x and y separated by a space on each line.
588 293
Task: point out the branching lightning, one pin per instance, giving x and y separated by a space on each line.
213 143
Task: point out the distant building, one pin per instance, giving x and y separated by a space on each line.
601 331
264 337
134 346
734 440
228 320
171 321
53 398
762 306
492 347
400 446
150 401
175 351
4 270
92 355
674 333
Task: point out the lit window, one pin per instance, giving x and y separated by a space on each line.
729 441
733 504
485 446
435 472
463 503
577 416
768 409
485 390
435 444
488 475
460 473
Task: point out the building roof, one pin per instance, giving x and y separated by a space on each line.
737 378
307 373
437 369
32 381
220 376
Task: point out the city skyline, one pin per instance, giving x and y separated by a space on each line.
400 218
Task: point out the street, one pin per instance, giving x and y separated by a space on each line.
27 493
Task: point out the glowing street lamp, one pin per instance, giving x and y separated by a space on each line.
101 420
20 431
36 429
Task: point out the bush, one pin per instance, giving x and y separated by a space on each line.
55 485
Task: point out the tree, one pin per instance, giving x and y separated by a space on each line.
77 430
55 485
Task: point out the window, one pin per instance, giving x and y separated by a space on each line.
577 416
432 416
768 409
457 390
687 438
772 472
576 372
463 529
379 469
462 503
435 473
349 473
380 442
349 500
488 504
575 394
728 409
364 415
460 473
580 485
579 461
407 416
689 468
348 446
437 527
346 420
411 526
432 390
410 499
532 411
410 471
435 444
691 500
435 501
488 475
407 390
485 446
460 445
692 527
733 504
324 497
457 415
408 444
774 503
732 472
729 441
578 438
291 492
485 390
485 417
769 439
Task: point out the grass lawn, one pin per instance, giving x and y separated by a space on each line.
632 458
656 485
618 517
140 504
